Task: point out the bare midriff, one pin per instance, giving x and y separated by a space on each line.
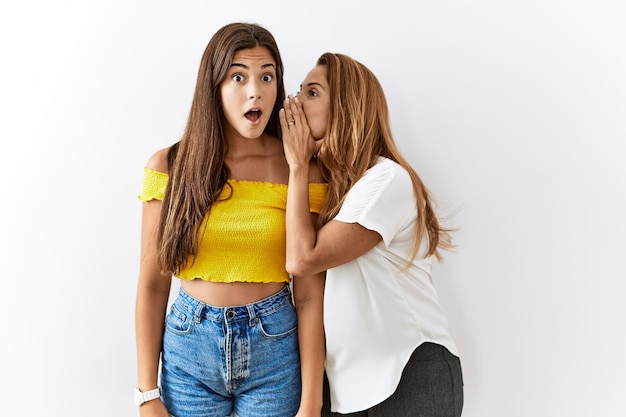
228 294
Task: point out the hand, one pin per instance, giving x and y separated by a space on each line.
153 408
299 144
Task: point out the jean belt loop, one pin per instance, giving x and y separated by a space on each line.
197 314
253 318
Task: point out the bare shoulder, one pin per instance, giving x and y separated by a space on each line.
315 173
158 160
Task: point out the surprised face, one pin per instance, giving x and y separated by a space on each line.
248 93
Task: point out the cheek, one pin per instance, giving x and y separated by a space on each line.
224 96
318 127
319 118
272 90
228 104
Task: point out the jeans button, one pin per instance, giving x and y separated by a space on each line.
230 314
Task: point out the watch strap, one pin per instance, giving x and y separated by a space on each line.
143 397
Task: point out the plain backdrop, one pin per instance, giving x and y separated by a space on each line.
513 112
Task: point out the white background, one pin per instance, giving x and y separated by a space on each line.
513 112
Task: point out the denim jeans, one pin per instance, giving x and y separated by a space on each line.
431 386
222 361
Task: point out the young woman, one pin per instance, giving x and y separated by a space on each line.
214 217
389 352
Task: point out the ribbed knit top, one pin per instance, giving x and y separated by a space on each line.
243 238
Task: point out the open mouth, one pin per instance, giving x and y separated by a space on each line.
253 115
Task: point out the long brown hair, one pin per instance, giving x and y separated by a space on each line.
358 132
197 171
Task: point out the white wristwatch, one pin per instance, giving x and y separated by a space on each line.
142 397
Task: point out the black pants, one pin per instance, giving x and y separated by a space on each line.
431 386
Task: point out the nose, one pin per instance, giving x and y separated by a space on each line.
254 89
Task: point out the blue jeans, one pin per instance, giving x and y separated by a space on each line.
431 386
222 361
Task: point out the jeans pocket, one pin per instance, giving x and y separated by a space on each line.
279 323
178 322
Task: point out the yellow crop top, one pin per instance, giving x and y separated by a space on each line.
243 238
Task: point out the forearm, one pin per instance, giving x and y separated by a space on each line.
301 233
309 299
149 318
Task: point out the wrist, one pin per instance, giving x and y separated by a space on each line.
299 171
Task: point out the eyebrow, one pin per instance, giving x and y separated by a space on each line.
313 83
235 64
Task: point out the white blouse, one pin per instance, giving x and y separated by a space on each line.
376 312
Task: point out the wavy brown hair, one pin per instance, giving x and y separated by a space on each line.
358 132
197 168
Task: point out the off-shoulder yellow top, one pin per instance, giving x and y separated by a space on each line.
243 238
